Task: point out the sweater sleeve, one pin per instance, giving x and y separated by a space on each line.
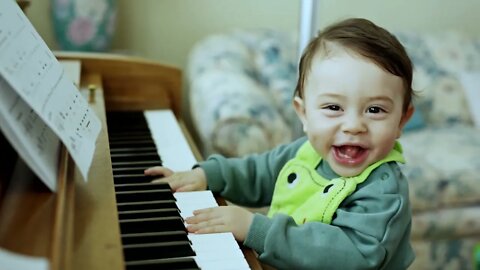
248 180
371 230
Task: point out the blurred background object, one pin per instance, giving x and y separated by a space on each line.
84 25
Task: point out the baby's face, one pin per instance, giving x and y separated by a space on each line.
351 111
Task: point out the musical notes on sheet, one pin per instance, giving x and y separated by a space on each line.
34 141
43 100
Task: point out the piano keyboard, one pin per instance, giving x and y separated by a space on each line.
151 216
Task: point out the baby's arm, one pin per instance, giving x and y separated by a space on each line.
180 181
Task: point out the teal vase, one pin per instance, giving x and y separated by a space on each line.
84 25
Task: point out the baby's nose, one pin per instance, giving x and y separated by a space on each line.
353 124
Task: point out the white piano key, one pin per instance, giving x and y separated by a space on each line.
214 251
204 241
218 251
209 243
205 197
187 202
222 264
172 146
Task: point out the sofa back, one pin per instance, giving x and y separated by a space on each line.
268 60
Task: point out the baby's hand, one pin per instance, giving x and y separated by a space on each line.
180 181
221 219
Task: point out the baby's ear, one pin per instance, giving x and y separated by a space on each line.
405 117
299 105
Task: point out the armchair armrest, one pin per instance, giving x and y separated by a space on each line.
234 115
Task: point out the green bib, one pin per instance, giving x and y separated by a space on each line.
305 195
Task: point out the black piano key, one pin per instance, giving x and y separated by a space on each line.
129 170
133 178
135 156
135 206
123 144
131 121
119 134
169 263
146 142
149 213
136 126
158 237
146 164
130 136
151 251
150 241
127 150
123 117
151 225
142 186
145 195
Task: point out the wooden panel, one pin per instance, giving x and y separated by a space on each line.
97 243
33 220
23 4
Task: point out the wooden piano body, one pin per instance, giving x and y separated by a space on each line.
77 227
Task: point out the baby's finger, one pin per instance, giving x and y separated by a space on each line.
204 228
188 187
201 215
158 170
159 181
212 229
195 219
208 212
175 184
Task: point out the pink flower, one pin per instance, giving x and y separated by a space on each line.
81 30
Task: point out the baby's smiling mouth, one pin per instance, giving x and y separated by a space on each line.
350 154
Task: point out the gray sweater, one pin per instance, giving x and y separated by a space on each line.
371 228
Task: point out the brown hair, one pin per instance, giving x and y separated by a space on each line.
367 39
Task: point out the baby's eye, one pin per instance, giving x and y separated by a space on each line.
332 107
375 109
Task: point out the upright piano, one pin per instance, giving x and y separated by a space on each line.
77 227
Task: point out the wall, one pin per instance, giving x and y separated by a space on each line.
424 15
165 30
39 14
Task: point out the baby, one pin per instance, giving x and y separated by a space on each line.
337 197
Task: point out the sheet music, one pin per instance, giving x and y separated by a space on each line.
72 70
14 261
32 71
34 141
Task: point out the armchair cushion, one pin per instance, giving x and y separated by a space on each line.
235 111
